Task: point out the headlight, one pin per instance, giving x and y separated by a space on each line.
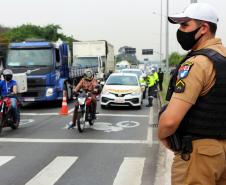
49 92
136 93
105 92
81 101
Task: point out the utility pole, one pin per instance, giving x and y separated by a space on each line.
160 50
167 36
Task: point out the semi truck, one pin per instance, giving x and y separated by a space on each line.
97 54
51 74
47 65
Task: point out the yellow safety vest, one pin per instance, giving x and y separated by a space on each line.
150 80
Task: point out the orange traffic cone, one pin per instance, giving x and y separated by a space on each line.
64 108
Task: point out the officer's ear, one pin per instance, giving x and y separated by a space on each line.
205 28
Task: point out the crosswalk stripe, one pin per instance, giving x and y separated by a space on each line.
5 159
52 172
130 172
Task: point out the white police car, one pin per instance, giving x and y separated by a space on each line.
122 89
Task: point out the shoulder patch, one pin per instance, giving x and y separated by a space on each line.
180 86
184 69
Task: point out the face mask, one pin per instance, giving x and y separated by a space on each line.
8 77
187 39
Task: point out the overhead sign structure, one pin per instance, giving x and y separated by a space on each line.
147 51
130 50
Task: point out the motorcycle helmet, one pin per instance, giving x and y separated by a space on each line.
8 74
88 74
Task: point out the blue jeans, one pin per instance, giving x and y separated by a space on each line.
15 109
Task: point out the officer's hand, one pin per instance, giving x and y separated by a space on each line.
165 143
162 110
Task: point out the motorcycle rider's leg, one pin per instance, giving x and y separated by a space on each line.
74 117
72 124
14 108
94 106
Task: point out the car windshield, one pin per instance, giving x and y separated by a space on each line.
138 73
122 80
29 57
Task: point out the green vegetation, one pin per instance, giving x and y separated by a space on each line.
30 31
165 87
175 58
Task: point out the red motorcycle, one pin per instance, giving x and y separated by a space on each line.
7 116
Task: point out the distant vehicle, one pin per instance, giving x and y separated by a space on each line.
122 65
96 54
138 72
122 89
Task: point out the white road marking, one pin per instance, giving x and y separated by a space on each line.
5 159
127 124
51 173
26 121
98 141
98 115
130 172
39 114
150 129
124 115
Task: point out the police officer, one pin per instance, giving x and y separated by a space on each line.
150 80
160 76
156 78
198 102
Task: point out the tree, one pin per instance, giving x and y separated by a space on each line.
175 58
30 31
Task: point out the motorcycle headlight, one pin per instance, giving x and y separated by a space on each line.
81 101
49 92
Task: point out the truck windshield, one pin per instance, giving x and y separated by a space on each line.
86 61
29 57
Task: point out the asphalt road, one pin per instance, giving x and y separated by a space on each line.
120 149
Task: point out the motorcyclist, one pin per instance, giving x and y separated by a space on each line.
89 84
8 86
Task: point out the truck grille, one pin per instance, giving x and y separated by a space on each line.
34 82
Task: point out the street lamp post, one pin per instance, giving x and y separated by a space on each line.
160 50
167 36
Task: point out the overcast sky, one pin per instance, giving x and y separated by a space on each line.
135 23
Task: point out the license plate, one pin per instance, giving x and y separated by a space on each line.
29 99
119 100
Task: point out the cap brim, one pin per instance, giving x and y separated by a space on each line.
178 19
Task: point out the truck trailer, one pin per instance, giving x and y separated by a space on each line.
96 54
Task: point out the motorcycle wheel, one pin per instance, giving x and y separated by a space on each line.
89 117
1 123
81 121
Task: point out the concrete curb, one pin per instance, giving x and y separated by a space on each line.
163 172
